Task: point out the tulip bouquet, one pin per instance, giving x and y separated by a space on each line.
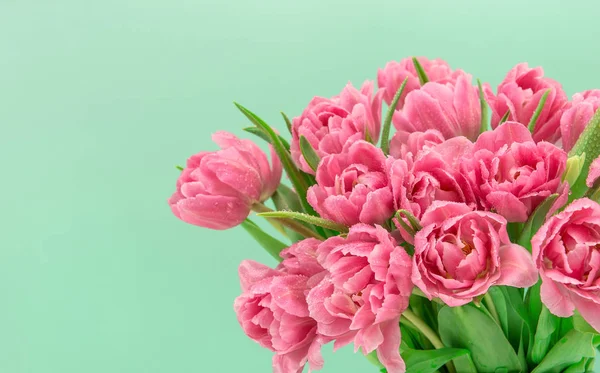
469 241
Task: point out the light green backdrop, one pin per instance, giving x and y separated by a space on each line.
100 99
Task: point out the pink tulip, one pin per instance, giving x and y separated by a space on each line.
460 253
433 175
594 173
566 252
403 143
272 308
364 293
330 124
452 109
217 189
520 93
353 187
577 115
393 74
512 175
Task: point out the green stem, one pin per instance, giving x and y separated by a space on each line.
423 328
429 333
489 304
293 225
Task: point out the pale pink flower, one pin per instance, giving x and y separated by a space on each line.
433 175
460 253
577 115
365 292
393 74
217 189
511 174
452 109
566 251
404 143
330 123
353 187
520 93
272 308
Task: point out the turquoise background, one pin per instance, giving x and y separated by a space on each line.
99 100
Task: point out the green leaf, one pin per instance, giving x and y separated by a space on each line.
308 152
320 222
580 367
501 309
387 124
570 350
429 361
467 327
286 199
504 117
414 222
538 111
581 325
288 123
297 177
535 221
420 71
179 168
485 121
516 303
547 325
270 244
588 143
260 133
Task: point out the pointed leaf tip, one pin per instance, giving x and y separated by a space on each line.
423 78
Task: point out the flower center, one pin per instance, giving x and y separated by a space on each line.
467 248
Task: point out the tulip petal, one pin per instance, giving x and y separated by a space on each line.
516 267
555 298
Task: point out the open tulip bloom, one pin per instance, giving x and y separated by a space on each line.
466 241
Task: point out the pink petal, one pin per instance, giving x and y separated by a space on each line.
516 267
214 212
506 134
589 310
594 173
508 205
555 298
388 351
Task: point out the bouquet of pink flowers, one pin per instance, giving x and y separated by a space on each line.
469 241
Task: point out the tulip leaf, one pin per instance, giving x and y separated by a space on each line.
538 111
514 299
414 222
423 78
308 152
387 124
588 143
319 222
429 361
570 350
469 328
286 199
297 177
260 133
288 123
581 325
535 221
504 117
272 245
485 121
547 325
